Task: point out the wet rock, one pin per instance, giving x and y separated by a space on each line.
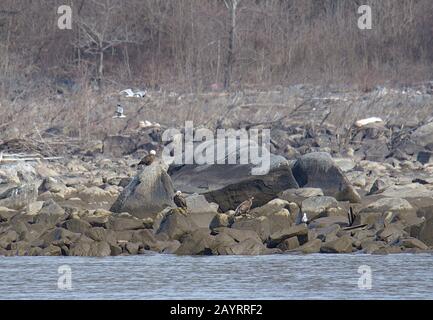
150 192
50 207
318 170
341 245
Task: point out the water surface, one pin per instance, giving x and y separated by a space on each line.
154 276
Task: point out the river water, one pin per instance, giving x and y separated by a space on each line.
154 276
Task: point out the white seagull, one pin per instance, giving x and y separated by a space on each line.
304 218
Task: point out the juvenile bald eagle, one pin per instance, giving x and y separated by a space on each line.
180 200
244 207
148 159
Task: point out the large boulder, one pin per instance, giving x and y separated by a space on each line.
19 197
150 192
176 224
315 206
230 184
318 170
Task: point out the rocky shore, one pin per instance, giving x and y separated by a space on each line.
96 201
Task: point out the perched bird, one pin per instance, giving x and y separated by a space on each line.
119 112
304 218
180 200
148 159
244 207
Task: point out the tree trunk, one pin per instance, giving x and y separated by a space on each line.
230 59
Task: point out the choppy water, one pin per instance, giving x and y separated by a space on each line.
155 276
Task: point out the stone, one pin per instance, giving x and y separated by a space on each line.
275 205
297 230
288 244
175 224
149 193
412 243
132 248
260 225
316 206
388 204
18 197
378 186
340 245
230 184
318 170
245 247
309 247
121 224
342 221
77 225
299 195
220 220
199 242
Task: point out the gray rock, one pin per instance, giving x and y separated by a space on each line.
299 195
260 225
316 206
19 197
230 184
150 192
298 230
175 224
289 244
122 224
199 242
77 225
312 246
318 170
340 245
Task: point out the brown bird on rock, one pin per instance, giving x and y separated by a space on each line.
244 207
148 159
180 200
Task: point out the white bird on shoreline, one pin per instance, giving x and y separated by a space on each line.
304 218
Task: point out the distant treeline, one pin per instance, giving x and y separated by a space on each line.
202 44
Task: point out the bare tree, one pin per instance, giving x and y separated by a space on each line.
108 30
232 6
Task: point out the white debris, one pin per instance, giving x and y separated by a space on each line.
364 122
131 94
